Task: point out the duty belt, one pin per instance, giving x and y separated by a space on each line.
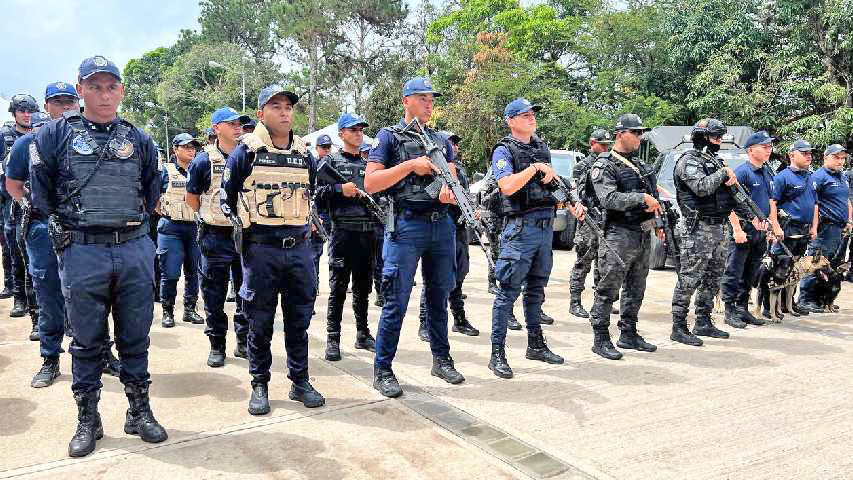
429 216
275 241
537 222
354 226
713 220
833 222
115 238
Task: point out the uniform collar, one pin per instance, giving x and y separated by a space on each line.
832 172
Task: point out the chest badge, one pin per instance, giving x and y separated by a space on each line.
123 148
81 145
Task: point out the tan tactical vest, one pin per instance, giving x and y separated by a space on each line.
172 203
210 209
276 193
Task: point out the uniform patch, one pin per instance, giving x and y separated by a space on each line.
100 61
691 169
594 173
81 146
125 150
226 175
35 158
501 163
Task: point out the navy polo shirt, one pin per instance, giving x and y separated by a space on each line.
758 184
833 192
18 166
793 192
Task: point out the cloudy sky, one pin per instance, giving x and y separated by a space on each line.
45 41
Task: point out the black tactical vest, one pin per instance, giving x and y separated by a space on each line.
533 195
411 188
106 190
718 205
628 181
352 169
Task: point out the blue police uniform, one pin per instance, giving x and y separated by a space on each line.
832 193
794 194
17 270
219 258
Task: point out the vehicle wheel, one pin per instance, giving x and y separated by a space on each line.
657 257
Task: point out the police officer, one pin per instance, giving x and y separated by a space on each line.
750 238
270 171
833 215
793 194
323 147
586 243
22 107
219 258
249 125
706 203
176 234
625 189
95 177
457 298
521 166
351 240
422 231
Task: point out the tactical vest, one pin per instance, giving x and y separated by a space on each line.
533 195
349 208
106 189
411 188
172 203
718 205
627 181
210 208
276 192
8 136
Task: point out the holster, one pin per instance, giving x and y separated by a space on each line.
59 237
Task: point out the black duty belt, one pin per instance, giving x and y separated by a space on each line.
219 230
833 222
713 220
115 238
428 216
354 226
536 222
275 241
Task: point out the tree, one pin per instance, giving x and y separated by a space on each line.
246 23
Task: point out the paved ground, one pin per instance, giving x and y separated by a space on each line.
772 402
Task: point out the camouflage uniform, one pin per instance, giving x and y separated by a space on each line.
586 243
490 213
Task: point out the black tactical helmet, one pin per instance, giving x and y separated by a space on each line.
709 127
23 102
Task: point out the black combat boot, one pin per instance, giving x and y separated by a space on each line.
423 331
6 292
461 325
705 328
89 428
537 349
512 322
681 334
575 307
364 340
19 308
443 368
733 316
333 347
216 357
47 374
302 391
168 314
497 363
545 319
109 363
34 333
385 381
747 317
190 315
259 403
140 419
603 346
630 339
240 349
807 307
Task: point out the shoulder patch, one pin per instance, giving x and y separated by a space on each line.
501 163
691 169
35 158
595 172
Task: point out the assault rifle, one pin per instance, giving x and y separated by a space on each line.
444 177
316 221
329 174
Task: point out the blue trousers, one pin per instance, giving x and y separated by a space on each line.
271 273
433 244
828 240
177 247
218 261
526 257
742 263
98 279
48 288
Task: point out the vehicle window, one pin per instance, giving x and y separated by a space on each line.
563 164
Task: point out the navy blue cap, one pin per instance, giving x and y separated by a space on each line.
833 149
452 137
97 64
365 147
348 120
57 89
519 106
419 85
227 114
185 138
323 140
248 122
273 90
800 146
758 138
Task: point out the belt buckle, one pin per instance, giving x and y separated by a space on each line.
117 238
288 242
433 216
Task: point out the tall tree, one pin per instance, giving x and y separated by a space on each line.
246 23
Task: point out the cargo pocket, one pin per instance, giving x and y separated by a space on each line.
506 264
389 281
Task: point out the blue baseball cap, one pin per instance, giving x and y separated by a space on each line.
97 64
518 106
273 90
365 147
419 85
227 114
800 146
57 89
323 140
833 149
185 138
209 132
758 138
348 120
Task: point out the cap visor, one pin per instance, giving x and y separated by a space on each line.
100 71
